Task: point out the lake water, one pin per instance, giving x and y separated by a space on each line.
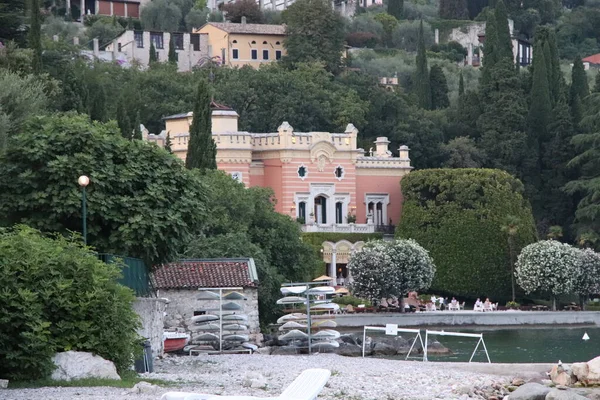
517 345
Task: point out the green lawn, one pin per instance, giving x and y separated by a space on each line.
129 379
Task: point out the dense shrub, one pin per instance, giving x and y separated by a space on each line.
458 215
58 296
351 300
362 39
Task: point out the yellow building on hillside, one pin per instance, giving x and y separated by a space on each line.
242 44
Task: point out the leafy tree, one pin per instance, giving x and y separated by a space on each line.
548 266
34 36
421 82
20 98
153 57
461 86
587 281
12 18
123 120
202 150
244 8
439 88
596 84
389 23
172 56
453 211
453 9
161 15
58 295
145 192
503 40
168 143
490 48
314 32
104 31
586 186
137 131
396 9
390 268
462 152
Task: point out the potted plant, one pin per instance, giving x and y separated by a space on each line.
300 220
512 305
351 218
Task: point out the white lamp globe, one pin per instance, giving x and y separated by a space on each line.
83 181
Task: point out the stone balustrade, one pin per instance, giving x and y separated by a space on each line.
345 228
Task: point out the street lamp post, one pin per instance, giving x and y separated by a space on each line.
83 182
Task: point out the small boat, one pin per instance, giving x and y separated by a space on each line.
234 296
206 337
235 318
294 334
326 334
235 338
326 307
292 300
231 306
205 327
327 323
206 295
235 327
291 325
250 346
321 290
325 345
204 318
175 341
293 290
291 317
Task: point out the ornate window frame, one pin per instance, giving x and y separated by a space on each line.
339 178
305 171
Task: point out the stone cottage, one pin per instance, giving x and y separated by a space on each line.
179 283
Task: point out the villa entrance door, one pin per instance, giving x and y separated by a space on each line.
321 209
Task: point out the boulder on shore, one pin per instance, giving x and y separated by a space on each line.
593 376
72 365
530 391
351 350
557 394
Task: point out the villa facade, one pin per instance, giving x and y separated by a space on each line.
319 178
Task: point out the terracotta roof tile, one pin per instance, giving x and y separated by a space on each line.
593 59
250 29
194 274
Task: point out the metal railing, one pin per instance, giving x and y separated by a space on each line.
135 274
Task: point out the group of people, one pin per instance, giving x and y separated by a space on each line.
486 305
413 303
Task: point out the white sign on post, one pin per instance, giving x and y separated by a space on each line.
391 329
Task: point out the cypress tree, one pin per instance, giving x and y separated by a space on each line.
540 109
396 8
172 52
97 103
35 35
202 150
579 83
123 120
461 85
137 130
168 143
597 84
489 50
556 80
421 84
153 56
503 40
439 88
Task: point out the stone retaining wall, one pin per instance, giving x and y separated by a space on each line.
152 316
496 318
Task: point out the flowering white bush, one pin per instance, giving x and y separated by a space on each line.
390 268
549 266
588 279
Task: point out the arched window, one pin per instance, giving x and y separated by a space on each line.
254 42
235 41
339 219
277 43
265 42
302 210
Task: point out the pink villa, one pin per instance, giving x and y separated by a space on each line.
319 178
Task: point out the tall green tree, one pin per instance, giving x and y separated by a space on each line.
12 19
453 9
35 35
439 88
461 85
314 32
540 109
153 57
579 82
422 88
202 150
168 143
396 8
596 88
123 119
503 39
172 56
586 185
489 49
137 130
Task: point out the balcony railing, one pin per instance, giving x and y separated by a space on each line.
343 228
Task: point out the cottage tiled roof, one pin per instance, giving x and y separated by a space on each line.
594 59
249 29
194 274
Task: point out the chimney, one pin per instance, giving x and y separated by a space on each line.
382 147
243 20
403 150
55 38
224 120
96 48
437 36
76 41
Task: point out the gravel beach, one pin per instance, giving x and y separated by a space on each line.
352 379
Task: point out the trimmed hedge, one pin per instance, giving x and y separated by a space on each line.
458 214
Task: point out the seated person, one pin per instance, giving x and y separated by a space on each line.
478 305
487 305
454 302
